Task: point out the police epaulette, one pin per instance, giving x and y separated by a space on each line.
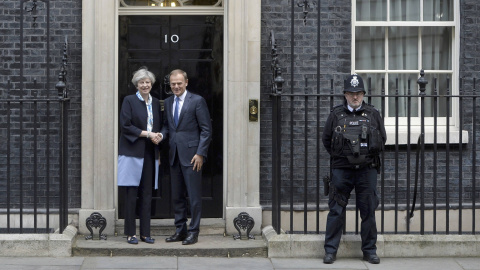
336 106
371 106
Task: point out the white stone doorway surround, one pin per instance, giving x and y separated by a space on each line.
100 110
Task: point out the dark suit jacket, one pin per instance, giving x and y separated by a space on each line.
194 131
133 119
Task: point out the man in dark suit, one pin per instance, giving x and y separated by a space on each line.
188 127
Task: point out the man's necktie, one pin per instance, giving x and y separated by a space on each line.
175 114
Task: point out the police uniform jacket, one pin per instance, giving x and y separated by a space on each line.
340 117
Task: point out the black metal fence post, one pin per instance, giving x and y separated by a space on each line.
276 161
435 153
277 84
409 133
447 163
8 144
422 82
397 125
64 100
474 154
460 152
382 184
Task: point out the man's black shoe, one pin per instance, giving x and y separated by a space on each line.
371 258
176 238
329 258
191 239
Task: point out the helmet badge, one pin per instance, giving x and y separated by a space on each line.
354 82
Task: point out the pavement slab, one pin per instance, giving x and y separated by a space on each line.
245 263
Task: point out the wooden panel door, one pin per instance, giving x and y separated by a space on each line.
195 45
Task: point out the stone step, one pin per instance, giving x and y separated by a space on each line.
207 246
212 242
208 226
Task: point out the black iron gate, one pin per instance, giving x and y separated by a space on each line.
33 131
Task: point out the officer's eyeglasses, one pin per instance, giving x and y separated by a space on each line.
351 94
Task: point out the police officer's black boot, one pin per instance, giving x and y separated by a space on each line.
329 258
371 258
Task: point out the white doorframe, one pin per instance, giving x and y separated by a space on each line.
242 22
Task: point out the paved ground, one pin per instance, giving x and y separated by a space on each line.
205 263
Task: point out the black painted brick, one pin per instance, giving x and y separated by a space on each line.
65 19
335 53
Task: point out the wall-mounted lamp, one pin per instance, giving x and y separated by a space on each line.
253 110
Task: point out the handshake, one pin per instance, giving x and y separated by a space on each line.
156 138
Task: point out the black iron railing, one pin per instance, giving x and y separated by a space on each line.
425 186
33 131
441 174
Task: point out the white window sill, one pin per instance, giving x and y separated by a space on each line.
429 135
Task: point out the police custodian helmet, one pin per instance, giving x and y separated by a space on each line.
354 83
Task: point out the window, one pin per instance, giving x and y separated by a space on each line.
170 3
170 7
393 40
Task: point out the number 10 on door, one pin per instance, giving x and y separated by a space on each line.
173 38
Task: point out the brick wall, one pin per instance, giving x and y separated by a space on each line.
335 53
36 79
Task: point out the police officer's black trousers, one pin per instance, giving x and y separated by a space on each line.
365 183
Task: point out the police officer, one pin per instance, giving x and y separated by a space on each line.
354 135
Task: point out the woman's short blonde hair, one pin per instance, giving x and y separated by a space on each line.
142 73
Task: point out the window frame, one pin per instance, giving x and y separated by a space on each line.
390 121
181 4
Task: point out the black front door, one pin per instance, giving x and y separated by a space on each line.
195 45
